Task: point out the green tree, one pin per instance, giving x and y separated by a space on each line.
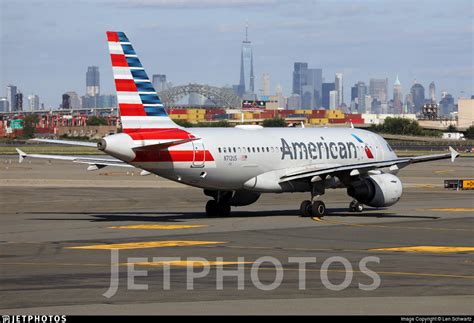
274 122
29 125
469 133
451 128
96 121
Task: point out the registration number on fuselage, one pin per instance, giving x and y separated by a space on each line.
230 157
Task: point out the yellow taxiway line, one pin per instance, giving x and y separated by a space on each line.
432 249
147 244
158 226
455 209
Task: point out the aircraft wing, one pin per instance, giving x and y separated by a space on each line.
361 168
94 163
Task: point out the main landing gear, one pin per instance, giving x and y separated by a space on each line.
314 207
215 209
219 206
355 206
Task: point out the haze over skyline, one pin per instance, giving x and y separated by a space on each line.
46 46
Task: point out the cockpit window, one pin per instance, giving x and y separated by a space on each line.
389 148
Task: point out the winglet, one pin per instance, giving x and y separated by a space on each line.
21 155
454 153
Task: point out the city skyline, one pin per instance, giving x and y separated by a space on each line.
201 51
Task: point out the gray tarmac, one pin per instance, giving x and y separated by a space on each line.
58 223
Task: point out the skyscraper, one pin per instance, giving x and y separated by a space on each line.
246 66
300 74
339 87
3 104
307 82
11 97
33 102
418 96
361 94
18 102
159 82
333 97
397 96
432 90
325 96
74 100
92 81
265 84
378 89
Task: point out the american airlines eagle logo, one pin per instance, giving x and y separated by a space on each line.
367 150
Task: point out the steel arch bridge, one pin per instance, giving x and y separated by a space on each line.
220 97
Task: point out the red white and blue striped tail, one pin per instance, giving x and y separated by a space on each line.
141 110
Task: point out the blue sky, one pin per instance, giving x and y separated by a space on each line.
46 46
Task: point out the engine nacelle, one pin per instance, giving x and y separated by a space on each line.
119 145
376 190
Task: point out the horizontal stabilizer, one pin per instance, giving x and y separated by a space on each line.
164 145
67 142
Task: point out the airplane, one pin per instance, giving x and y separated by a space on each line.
234 166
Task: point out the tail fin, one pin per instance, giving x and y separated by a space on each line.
140 107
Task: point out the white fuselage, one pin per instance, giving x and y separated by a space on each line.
256 158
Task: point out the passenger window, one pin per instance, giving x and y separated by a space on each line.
224 150
258 149
235 150
219 149
239 150
268 150
253 149
273 150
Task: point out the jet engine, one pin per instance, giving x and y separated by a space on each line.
376 190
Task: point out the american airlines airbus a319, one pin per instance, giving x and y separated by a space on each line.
234 166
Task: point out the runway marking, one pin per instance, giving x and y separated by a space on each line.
146 244
158 226
189 263
386 226
456 209
433 249
387 273
443 171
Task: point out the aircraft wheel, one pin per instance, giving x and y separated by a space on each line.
306 209
319 208
355 206
223 209
212 209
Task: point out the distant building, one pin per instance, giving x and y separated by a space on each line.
307 82
247 78
3 104
74 100
33 102
92 81
333 98
368 103
265 84
361 94
293 102
354 93
159 82
465 113
18 102
397 97
378 89
446 105
11 95
432 89
339 87
300 75
418 95
107 101
325 95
